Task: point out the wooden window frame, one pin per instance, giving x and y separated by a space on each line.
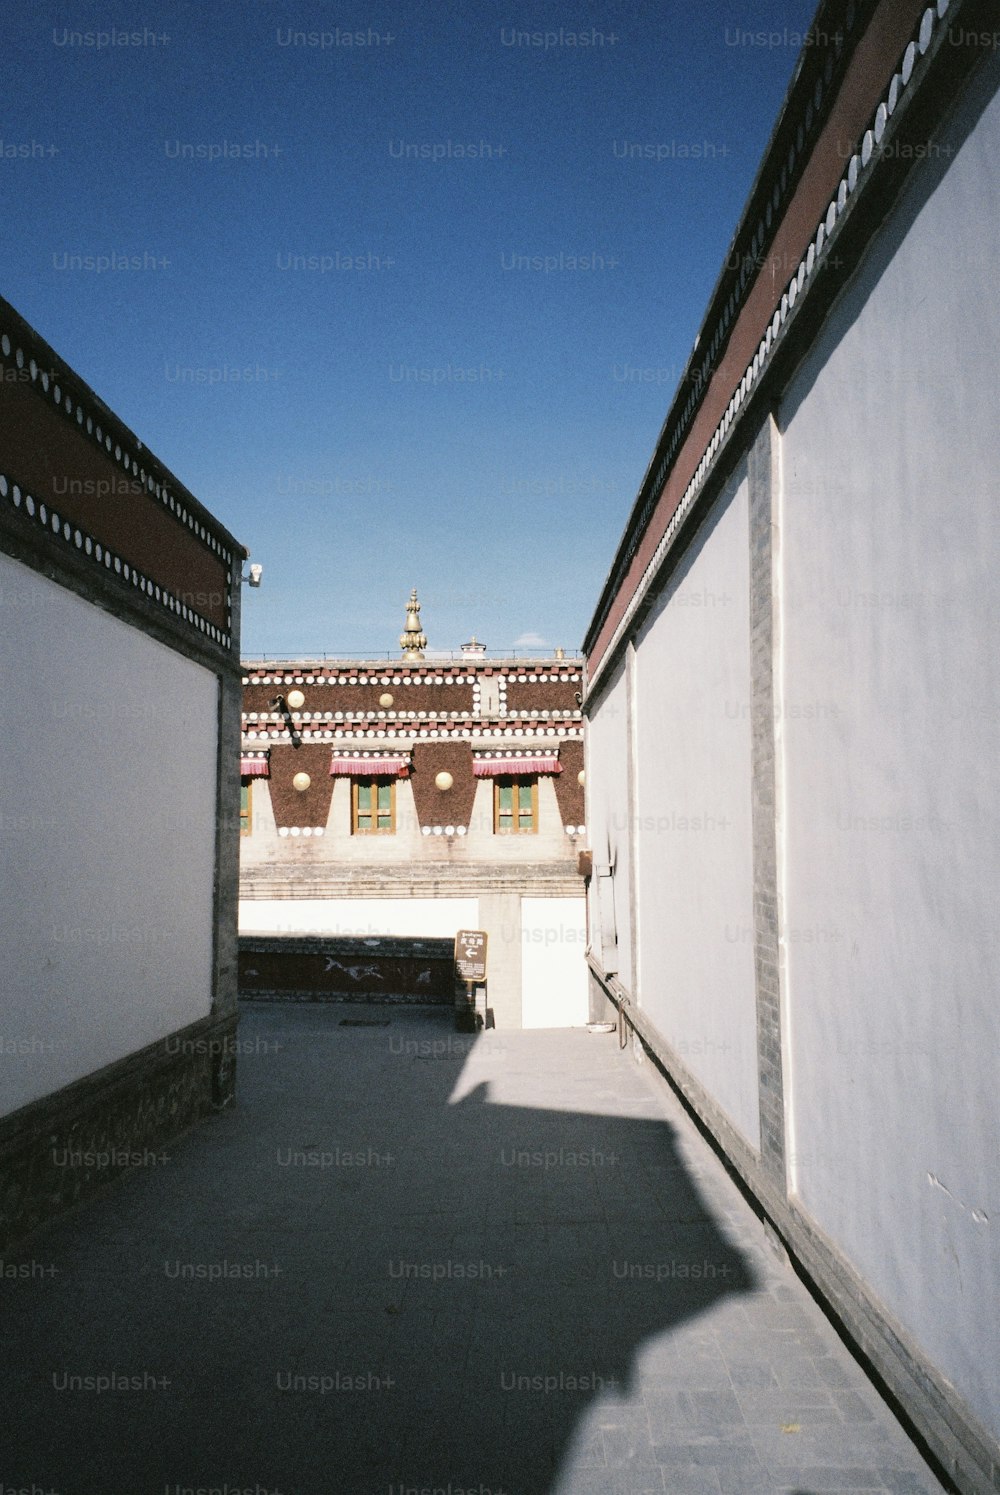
246 820
375 829
519 782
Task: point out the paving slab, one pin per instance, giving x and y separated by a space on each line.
404 1264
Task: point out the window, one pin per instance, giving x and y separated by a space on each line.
246 807
373 807
515 805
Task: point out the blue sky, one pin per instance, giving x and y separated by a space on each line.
411 284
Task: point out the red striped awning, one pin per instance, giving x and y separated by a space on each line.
255 768
360 768
492 768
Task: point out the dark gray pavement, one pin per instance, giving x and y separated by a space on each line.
411 1261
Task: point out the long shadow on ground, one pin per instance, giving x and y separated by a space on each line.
362 1280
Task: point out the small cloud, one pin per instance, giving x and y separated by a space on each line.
531 641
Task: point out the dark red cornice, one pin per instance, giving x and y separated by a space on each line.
754 281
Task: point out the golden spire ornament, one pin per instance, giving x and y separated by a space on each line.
412 640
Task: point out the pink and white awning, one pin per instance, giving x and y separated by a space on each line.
255 766
492 766
358 767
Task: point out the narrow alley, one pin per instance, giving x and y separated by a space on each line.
408 1260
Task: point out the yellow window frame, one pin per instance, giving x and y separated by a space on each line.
373 803
246 807
518 815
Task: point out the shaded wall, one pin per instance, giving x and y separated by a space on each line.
890 544
835 948
693 814
119 798
364 970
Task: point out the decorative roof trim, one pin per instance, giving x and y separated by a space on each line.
795 293
489 765
74 536
81 408
255 765
402 672
392 734
359 765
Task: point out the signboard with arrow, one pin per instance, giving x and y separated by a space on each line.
470 954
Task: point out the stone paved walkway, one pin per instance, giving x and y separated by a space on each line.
412 1261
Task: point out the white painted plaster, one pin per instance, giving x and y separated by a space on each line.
694 831
891 542
608 829
430 918
500 917
553 969
107 824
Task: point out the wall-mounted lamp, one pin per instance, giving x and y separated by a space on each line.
581 777
301 782
385 699
295 700
443 780
254 575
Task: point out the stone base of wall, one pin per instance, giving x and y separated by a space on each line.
338 969
963 1451
601 1007
57 1151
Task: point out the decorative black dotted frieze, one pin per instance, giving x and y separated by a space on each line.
81 409
813 93
74 536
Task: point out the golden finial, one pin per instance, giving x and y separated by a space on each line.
412 640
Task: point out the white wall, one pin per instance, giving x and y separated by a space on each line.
890 531
608 828
107 828
694 833
553 969
544 951
429 918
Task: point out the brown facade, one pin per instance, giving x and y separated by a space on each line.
300 806
334 693
569 789
547 693
438 715
456 732
449 806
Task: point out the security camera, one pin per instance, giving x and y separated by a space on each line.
256 572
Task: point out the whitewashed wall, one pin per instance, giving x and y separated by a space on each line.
694 834
108 746
608 826
890 532
427 918
553 969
